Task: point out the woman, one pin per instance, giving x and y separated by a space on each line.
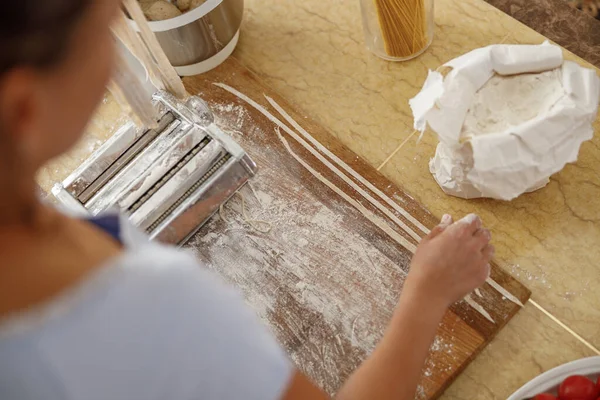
87 312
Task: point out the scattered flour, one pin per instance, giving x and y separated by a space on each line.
236 115
541 277
506 101
323 283
296 277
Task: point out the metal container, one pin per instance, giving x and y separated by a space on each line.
202 38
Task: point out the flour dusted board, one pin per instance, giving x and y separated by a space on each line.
324 278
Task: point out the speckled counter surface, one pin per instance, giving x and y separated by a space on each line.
312 52
555 19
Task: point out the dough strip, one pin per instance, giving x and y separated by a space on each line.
369 185
368 214
347 168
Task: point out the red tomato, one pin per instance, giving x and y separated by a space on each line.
545 396
577 387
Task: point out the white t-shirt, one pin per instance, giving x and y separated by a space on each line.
152 324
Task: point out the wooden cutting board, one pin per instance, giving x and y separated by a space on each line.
307 254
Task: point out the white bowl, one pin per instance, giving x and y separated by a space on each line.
549 381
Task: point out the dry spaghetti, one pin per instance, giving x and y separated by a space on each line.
403 26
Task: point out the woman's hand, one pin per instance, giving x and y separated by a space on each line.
451 262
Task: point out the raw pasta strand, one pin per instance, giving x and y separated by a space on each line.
397 38
393 37
403 26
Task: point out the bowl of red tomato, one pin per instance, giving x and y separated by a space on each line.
577 380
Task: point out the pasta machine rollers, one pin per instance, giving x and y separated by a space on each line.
169 180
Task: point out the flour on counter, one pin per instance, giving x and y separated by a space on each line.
237 115
258 225
297 276
281 270
506 101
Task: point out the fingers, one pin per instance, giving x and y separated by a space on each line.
486 271
445 222
466 226
435 232
483 234
485 268
488 252
469 226
483 237
472 222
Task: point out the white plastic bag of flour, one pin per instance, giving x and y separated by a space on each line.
507 117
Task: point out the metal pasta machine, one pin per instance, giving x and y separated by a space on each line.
169 180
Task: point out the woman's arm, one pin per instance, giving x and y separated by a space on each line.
394 368
451 262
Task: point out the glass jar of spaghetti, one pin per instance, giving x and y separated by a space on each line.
397 30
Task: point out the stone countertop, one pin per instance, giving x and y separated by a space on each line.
312 52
